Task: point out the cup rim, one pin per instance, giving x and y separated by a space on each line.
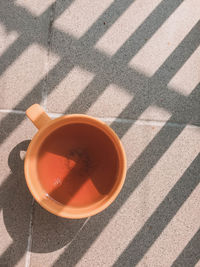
32 178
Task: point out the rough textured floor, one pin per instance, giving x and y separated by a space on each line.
136 66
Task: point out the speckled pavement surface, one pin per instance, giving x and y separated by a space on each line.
136 66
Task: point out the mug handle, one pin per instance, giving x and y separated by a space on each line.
37 115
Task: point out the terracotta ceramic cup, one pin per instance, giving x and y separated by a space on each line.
75 165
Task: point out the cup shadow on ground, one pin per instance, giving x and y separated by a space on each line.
53 232
15 202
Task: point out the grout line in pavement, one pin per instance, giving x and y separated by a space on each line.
46 65
12 111
30 231
44 87
112 119
44 95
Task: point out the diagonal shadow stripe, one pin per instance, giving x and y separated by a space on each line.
191 253
157 147
161 217
14 259
13 52
111 14
156 92
146 30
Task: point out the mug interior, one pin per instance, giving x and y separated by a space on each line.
77 165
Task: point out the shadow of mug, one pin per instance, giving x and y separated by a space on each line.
50 232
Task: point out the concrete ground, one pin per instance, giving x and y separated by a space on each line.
136 66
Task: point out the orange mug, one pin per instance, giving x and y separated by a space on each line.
75 165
